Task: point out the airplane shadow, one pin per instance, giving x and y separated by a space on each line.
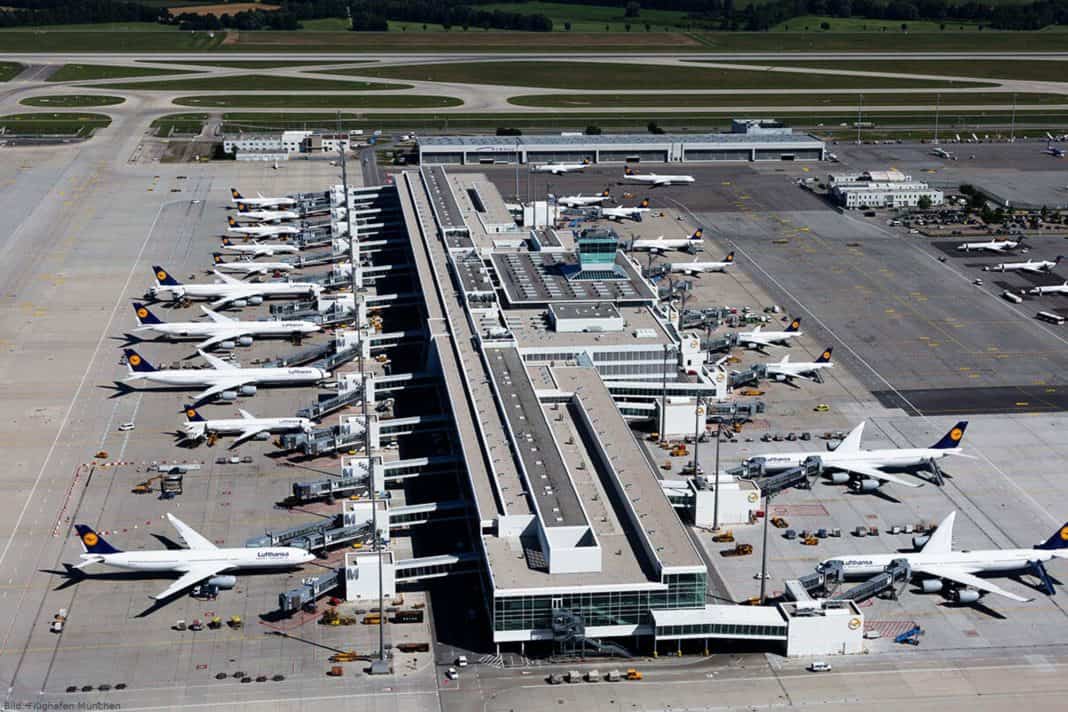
978 606
121 389
877 493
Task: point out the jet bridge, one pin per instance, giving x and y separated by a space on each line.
894 578
354 481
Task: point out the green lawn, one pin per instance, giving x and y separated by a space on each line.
9 70
596 18
53 39
255 82
597 101
985 41
81 72
65 124
590 75
250 64
179 123
1037 70
97 27
811 23
70 101
321 101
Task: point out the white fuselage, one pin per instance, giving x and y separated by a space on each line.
198 429
579 201
246 267
903 458
199 377
262 249
264 230
207 329
654 179
992 246
1051 289
699 267
622 213
178 559
558 168
262 202
665 244
973 562
766 338
796 370
268 215
1028 266
220 290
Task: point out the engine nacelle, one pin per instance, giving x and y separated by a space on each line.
240 303
780 377
245 340
228 396
223 582
965 595
254 301
261 436
839 478
864 485
247 390
227 345
931 585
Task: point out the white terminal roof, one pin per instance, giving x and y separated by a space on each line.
727 615
607 140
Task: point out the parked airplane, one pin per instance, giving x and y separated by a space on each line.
250 268
759 339
203 561
653 179
1050 289
990 246
260 230
247 426
580 201
221 330
864 470
939 568
260 201
1054 151
558 169
259 249
691 243
1035 266
786 370
271 216
695 268
619 214
943 153
230 291
223 379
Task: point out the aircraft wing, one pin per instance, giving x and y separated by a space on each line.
218 339
959 575
248 434
223 301
191 577
192 538
224 385
877 474
216 317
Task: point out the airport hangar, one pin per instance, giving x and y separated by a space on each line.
543 345
745 144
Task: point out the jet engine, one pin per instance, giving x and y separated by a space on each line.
254 301
227 345
245 340
965 595
247 390
223 582
839 478
228 396
864 485
240 303
931 585
262 436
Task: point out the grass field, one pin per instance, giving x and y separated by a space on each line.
1037 70
54 39
96 27
9 70
179 123
595 18
81 72
919 123
248 64
62 124
321 101
255 82
811 23
985 41
71 101
590 75
595 101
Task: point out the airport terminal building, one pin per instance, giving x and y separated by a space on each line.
746 143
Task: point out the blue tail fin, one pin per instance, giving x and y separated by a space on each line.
164 277
825 357
729 258
952 439
235 194
145 315
795 325
93 542
137 363
1059 539
699 233
193 415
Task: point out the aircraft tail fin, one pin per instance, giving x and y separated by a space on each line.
941 542
698 235
235 194
604 193
795 325
825 357
92 542
1058 540
644 203
628 171
193 415
729 259
164 278
217 258
144 315
952 439
137 363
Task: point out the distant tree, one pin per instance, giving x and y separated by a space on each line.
942 27
567 26
654 128
924 203
633 9
593 130
627 27
508 131
648 27
825 26
904 27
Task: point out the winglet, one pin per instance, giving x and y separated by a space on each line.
941 542
951 439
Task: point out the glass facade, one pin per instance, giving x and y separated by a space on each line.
599 609
721 630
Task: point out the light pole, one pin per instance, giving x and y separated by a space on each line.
715 493
938 105
697 418
764 552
